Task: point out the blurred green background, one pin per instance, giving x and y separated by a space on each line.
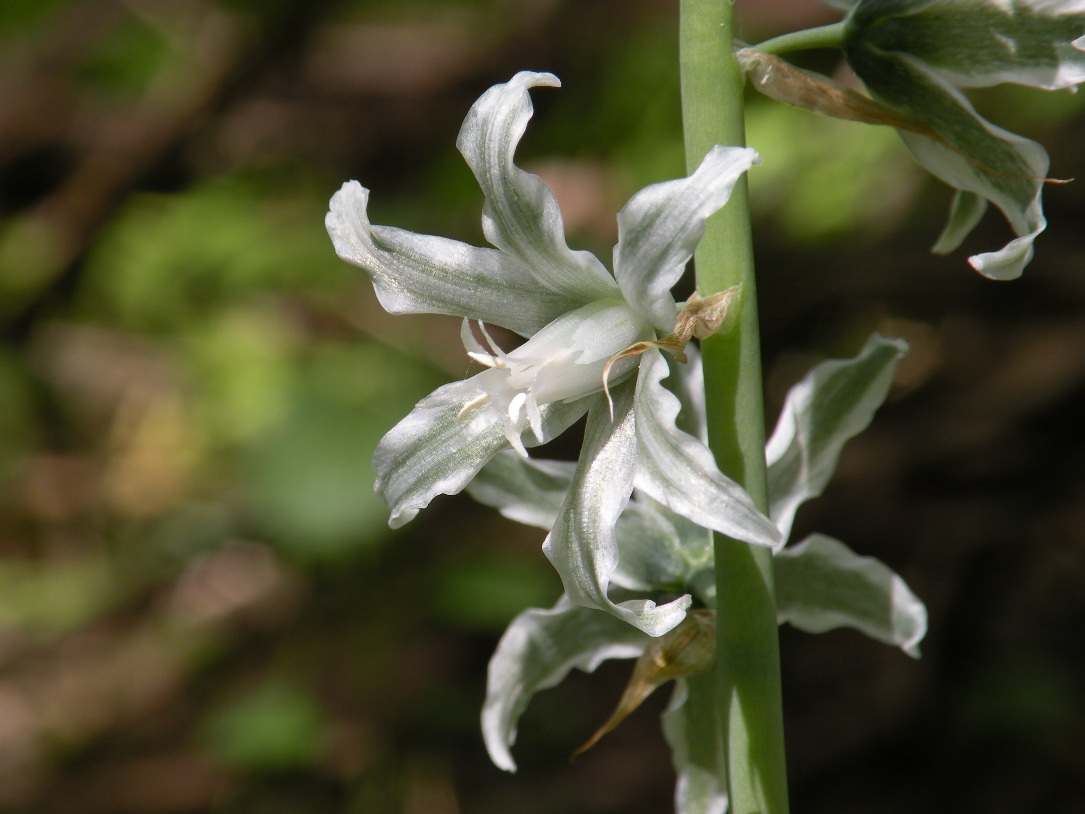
201 605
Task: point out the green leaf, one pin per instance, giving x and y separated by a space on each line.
481 593
148 272
310 484
46 600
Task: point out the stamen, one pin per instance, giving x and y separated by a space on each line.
500 354
485 359
534 418
495 357
672 344
633 350
516 443
516 406
470 344
473 404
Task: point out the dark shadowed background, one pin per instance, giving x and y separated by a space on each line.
201 605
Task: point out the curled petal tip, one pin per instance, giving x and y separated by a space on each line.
536 79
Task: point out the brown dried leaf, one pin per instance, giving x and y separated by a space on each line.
688 650
779 80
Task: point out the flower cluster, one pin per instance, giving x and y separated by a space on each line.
821 584
630 523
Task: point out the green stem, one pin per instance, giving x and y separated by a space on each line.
748 662
826 36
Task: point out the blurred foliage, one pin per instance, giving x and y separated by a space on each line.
124 62
201 605
824 178
168 261
272 727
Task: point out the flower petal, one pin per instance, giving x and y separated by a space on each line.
688 384
974 156
679 471
658 550
423 274
521 216
661 225
977 43
435 450
538 650
527 490
691 727
965 213
1009 262
833 403
582 545
821 584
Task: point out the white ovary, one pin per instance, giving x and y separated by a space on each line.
562 362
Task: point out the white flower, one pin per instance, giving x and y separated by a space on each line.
913 55
581 323
564 361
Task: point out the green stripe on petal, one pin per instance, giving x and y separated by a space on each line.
661 225
424 274
1006 169
538 650
582 545
439 447
821 584
679 471
832 404
521 216
977 43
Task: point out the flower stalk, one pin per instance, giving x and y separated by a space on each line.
748 662
825 36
